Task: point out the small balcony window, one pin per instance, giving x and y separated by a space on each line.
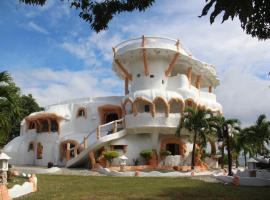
81 112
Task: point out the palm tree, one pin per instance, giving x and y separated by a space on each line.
8 105
260 133
196 122
217 124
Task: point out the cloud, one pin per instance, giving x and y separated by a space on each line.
35 27
94 49
244 95
50 86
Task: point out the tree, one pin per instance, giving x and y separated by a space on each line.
254 15
197 122
217 124
27 105
99 13
9 95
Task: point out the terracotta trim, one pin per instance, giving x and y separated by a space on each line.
174 140
122 68
189 75
165 103
64 151
210 88
177 100
141 99
125 103
102 110
194 104
172 64
198 81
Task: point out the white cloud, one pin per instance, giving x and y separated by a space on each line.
51 86
33 26
94 49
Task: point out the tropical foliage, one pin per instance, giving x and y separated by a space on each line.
196 121
110 155
147 154
13 108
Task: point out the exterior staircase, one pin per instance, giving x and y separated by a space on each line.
103 134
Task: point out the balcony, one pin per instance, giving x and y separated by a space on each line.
144 121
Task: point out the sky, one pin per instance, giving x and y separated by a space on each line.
54 55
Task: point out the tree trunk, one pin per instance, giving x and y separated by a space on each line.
222 156
245 156
193 150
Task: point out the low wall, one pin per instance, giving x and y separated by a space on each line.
19 190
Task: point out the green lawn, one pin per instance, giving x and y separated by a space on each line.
135 188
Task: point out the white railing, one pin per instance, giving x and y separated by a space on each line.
101 131
111 126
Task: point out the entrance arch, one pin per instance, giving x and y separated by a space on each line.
108 113
67 153
174 144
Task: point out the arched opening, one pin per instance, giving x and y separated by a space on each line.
68 149
161 106
128 106
176 105
175 145
31 146
190 103
173 148
39 150
108 113
81 112
142 105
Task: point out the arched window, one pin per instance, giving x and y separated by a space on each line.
81 112
161 106
142 105
31 125
31 146
176 105
39 150
190 103
128 106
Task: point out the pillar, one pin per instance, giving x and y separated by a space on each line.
126 86
189 74
198 82
210 89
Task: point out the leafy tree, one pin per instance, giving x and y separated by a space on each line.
254 15
196 121
9 95
217 123
27 105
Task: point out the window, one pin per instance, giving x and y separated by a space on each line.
151 76
138 75
31 146
81 112
54 126
173 148
163 81
31 125
146 108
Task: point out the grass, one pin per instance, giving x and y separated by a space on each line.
16 181
135 188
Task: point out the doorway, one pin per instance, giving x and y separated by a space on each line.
173 148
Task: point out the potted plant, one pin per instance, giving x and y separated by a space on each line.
147 154
110 155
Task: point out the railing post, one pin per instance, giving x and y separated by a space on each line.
115 126
98 132
75 152
68 152
84 142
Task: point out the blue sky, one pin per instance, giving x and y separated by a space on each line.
54 55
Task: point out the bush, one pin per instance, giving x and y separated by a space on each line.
147 154
165 153
110 155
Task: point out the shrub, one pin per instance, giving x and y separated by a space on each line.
165 153
110 155
147 154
